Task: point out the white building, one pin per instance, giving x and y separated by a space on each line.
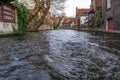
83 20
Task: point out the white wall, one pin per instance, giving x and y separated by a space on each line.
30 4
83 19
7 27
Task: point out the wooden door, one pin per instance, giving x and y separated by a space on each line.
110 24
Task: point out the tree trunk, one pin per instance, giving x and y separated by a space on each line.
60 19
43 6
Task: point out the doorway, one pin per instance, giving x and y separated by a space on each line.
110 24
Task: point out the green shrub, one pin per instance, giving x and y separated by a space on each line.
98 19
22 13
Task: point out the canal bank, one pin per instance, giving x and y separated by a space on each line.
2 35
100 31
5 35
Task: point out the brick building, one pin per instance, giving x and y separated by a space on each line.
96 5
81 16
111 14
67 24
8 17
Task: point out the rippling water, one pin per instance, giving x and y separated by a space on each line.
60 55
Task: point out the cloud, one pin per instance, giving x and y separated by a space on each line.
72 4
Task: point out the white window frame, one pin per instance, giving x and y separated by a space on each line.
108 4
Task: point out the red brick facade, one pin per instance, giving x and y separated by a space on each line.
80 12
111 14
96 5
7 13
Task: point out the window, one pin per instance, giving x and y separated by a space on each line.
85 13
108 4
93 2
7 14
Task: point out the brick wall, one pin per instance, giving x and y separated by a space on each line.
113 12
116 14
97 4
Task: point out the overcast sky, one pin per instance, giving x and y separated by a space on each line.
72 4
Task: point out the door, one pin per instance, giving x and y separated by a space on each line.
110 24
78 23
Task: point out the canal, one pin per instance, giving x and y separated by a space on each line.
60 55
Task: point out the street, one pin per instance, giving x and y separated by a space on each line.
60 55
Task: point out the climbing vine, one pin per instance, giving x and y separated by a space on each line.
22 13
98 19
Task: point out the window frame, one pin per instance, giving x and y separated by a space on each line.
8 14
108 4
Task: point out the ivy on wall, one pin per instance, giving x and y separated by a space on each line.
98 19
22 13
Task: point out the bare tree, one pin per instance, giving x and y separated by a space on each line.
57 11
57 7
43 7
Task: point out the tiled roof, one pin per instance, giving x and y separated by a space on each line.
68 20
81 10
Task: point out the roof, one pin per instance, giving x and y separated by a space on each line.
68 20
79 11
91 11
2 2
